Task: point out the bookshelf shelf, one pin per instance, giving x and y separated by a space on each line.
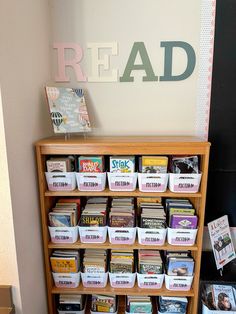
133 291
135 193
108 245
122 146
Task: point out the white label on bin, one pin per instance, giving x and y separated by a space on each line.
183 238
179 284
153 183
122 236
94 281
60 183
64 281
62 236
186 183
90 182
121 182
122 280
151 237
152 282
91 236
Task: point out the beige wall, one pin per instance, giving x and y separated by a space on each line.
24 69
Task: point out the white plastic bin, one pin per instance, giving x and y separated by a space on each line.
122 235
122 181
93 234
153 182
66 280
150 281
184 182
122 280
61 181
94 280
91 181
178 283
63 234
151 236
181 236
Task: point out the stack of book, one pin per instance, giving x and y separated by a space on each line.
219 297
181 214
104 303
179 263
153 164
65 261
64 214
184 164
149 262
122 261
122 213
60 164
173 305
152 214
91 163
95 212
71 302
94 261
122 164
138 304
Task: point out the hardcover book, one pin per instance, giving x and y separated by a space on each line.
183 222
67 109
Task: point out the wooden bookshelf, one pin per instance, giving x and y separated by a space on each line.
121 146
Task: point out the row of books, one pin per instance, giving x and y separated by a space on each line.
124 164
133 304
177 263
179 213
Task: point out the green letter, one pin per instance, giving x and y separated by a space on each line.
191 60
146 64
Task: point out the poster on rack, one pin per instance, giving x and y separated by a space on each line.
221 241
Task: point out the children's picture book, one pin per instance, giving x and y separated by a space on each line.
67 109
221 241
223 297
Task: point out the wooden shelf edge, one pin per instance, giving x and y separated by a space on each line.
135 193
108 245
132 291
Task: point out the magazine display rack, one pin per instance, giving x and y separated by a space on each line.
108 146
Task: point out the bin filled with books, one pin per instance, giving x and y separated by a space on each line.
122 221
179 270
150 269
218 298
63 220
93 221
94 268
65 266
153 176
182 220
102 304
122 175
152 221
60 175
139 304
122 269
185 176
91 175
71 304
171 305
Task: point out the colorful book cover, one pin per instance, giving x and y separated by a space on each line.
173 305
91 163
67 109
122 164
180 267
183 222
223 297
64 265
140 307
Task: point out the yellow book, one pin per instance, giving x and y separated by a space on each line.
64 265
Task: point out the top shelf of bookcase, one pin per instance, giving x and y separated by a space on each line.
131 145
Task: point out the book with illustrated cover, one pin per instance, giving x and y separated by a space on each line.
173 305
183 222
180 266
91 163
223 297
67 109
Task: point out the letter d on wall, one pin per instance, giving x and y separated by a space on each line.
191 60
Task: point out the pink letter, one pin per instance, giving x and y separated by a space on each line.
74 63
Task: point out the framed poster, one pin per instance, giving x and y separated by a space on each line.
145 66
